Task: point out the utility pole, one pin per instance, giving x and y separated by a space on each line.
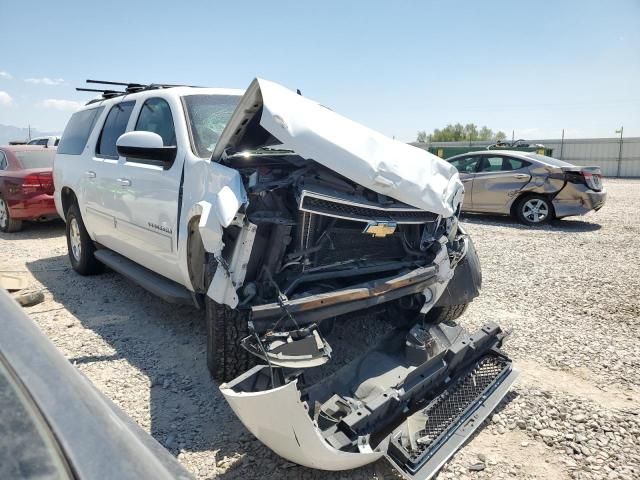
513 136
562 144
620 151
29 133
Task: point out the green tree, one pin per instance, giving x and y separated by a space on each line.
459 132
422 137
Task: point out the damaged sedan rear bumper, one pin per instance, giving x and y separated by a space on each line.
413 398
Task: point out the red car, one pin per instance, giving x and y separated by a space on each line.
26 185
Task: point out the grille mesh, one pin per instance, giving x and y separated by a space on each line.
447 408
358 212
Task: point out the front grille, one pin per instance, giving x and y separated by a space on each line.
363 213
351 244
447 409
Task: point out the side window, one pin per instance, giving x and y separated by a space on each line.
491 164
515 163
3 161
77 131
114 126
501 164
155 116
466 164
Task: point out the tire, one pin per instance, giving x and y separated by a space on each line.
533 210
446 314
226 359
8 224
80 245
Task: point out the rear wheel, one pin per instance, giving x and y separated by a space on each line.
446 314
534 210
8 224
226 326
80 245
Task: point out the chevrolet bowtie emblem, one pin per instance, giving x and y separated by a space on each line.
380 229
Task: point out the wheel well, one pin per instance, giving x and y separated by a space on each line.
68 198
532 194
196 256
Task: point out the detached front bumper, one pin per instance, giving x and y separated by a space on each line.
414 398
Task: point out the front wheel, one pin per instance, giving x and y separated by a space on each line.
226 359
446 314
534 210
80 245
8 224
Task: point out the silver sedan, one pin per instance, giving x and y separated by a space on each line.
533 188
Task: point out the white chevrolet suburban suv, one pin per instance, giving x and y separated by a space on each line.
277 216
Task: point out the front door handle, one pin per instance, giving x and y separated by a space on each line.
521 175
90 174
124 182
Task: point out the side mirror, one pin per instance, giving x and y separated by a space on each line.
146 146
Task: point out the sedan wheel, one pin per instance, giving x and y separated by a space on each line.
3 215
534 210
8 224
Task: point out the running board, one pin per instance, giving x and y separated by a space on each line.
160 286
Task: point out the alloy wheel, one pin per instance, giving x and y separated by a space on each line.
4 218
74 239
535 210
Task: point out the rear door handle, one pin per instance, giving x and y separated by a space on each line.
90 174
125 182
521 175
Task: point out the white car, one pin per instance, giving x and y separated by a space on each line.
48 141
276 215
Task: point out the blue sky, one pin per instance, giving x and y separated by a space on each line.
398 67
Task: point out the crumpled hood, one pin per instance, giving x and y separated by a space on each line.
384 165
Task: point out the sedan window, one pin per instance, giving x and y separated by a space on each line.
466 164
3 161
35 158
502 164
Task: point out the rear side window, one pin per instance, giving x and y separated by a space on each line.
502 164
156 117
114 126
35 158
77 131
3 161
515 163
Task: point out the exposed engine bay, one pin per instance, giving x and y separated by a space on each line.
319 232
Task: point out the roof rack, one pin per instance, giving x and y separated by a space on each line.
129 87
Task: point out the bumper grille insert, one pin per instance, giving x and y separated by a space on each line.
447 409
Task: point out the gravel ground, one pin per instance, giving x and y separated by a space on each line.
569 292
